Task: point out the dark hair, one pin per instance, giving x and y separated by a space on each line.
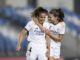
38 11
58 13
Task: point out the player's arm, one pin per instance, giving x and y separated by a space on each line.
61 33
48 45
22 34
58 38
37 22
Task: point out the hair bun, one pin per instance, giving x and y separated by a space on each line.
60 9
37 11
61 12
39 8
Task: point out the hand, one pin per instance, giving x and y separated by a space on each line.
48 32
44 29
35 20
48 54
18 48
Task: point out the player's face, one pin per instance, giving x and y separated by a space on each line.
52 18
42 17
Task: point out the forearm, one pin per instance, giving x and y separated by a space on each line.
20 39
55 37
48 42
22 34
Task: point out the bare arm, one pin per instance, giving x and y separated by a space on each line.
48 42
48 45
59 38
22 34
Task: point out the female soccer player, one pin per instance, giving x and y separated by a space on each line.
37 43
55 32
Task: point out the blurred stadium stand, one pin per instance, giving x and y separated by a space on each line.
13 20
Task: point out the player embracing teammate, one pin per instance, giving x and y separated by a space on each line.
44 36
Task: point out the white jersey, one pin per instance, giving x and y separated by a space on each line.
56 30
35 34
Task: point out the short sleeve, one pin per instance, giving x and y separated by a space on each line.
28 25
62 28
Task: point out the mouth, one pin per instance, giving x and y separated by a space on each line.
41 21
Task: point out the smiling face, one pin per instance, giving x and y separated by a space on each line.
52 18
42 17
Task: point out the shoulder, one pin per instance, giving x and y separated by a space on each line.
62 24
31 22
29 25
46 23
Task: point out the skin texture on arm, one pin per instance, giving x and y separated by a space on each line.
48 43
22 34
59 38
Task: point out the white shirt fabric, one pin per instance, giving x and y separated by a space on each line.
55 45
35 33
56 30
37 43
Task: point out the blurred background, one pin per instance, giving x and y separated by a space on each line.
14 15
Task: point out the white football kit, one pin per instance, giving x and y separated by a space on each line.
37 46
54 44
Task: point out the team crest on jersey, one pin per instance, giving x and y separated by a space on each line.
33 23
63 25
